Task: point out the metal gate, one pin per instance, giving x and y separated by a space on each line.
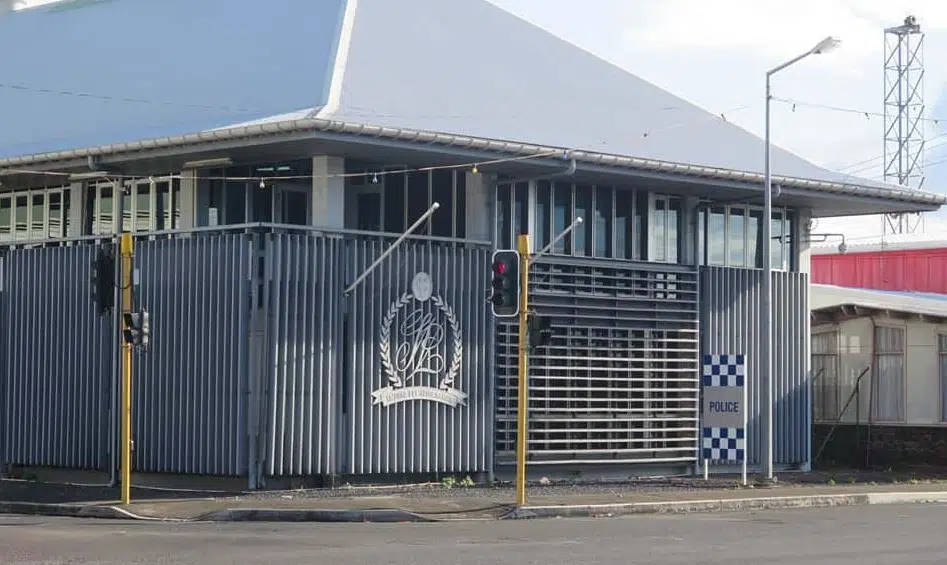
619 380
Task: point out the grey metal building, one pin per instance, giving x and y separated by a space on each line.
264 154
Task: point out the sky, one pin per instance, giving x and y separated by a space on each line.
715 54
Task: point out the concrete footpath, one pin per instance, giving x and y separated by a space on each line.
435 502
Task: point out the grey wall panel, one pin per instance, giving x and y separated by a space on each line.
58 360
191 386
409 338
303 356
730 323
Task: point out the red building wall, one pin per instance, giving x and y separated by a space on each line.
917 270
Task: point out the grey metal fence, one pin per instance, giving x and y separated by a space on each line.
191 387
417 390
257 363
58 359
618 382
730 323
301 341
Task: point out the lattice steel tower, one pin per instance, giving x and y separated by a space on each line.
904 115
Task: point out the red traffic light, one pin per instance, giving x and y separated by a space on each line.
499 268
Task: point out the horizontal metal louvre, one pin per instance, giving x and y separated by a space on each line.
58 358
618 382
190 387
417 436
303 287
731 302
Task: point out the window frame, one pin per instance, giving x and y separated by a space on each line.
900 386
833 358
785 245
43 231
942 366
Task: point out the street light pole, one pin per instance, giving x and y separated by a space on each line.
824 46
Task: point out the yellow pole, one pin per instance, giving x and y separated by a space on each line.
522 243
127 250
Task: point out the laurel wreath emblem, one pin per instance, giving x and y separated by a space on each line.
384 336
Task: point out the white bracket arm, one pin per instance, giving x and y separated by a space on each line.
393 246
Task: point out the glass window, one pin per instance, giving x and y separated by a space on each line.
701 236
562 216
777 261
127 200
583 209
394 202
754 239
67 212
788 229
6 219
658 248
641 224
717 236
55 215
461 204
737 237
21 217
236 202
625 224
543 213
295 207
603 221
442 192
673 230
38 217
369 211
176 203
504 216
143 207
887 384
520 210
418 201
104 221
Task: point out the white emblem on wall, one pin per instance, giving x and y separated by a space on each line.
421 348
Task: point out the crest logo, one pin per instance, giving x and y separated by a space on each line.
421 348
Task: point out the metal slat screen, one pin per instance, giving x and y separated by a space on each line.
618 382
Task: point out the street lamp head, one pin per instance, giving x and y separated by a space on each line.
826 45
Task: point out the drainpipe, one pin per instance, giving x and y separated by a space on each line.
567 172
871 389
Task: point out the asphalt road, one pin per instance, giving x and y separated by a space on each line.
902 535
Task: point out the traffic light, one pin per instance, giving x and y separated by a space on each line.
136 328
103 279
505 295
540 331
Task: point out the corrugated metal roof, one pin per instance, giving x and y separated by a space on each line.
823 296
464 68
468 67
89 74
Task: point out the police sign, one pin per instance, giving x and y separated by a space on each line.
723 428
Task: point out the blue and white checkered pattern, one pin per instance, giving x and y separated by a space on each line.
724 370
723 444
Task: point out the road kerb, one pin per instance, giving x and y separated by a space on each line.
390 515
724 505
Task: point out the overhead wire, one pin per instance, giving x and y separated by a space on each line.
110 175
356 110
871 163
